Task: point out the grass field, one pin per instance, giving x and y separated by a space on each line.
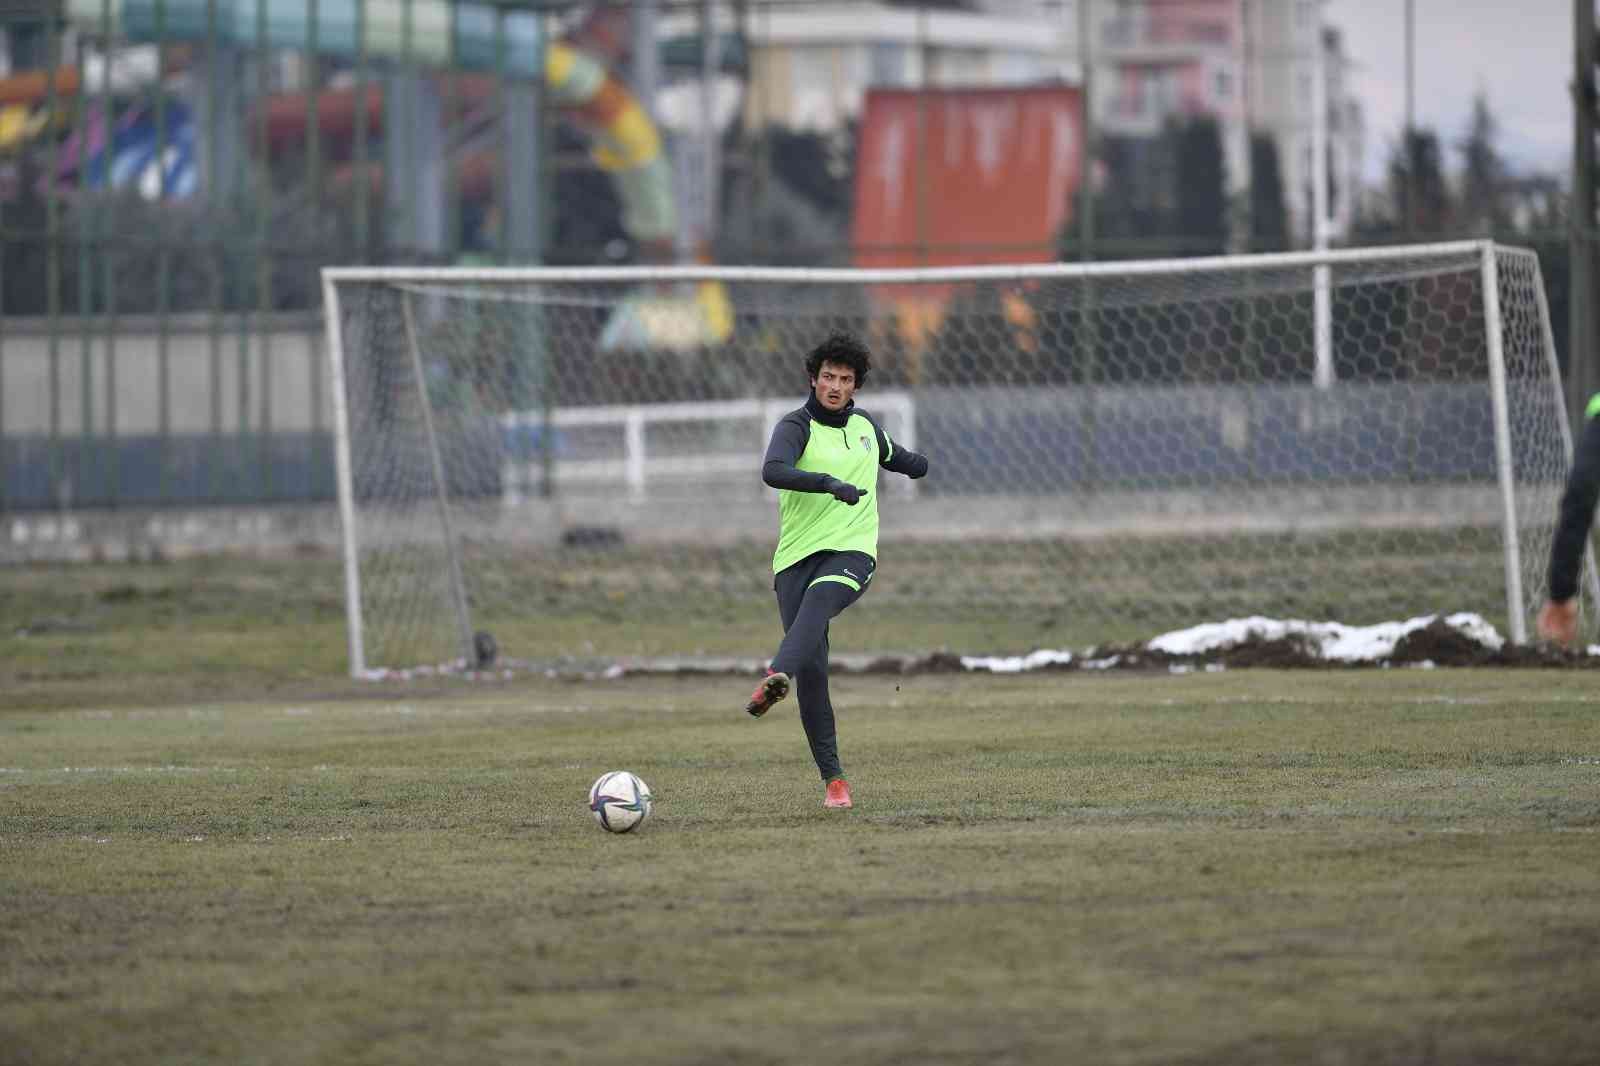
220 627
1249 867
216 848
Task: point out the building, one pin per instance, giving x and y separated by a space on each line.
811 65
1248 63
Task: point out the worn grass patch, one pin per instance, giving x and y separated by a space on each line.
1375 867
237 627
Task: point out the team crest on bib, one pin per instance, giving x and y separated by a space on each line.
865 444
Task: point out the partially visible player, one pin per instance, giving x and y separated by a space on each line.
824 460
1558 618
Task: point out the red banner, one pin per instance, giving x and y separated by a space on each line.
955 176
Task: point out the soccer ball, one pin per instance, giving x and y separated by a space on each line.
619 801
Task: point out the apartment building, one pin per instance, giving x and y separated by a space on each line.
811 64
1249 63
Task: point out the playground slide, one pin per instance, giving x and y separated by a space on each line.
134 143
24 97
127 70
137 139
625 142
32 86
463 36
20 124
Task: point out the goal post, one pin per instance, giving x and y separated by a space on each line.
569 459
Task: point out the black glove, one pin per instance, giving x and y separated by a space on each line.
845 492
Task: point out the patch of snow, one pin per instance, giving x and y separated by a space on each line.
1331 640
1016 664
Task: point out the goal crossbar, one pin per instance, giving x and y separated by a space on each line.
873 276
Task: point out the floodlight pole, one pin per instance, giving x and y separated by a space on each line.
1322 322
645 73
1583 341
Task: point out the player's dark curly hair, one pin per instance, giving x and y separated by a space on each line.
842 348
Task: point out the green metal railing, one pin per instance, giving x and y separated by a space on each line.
160 343
161 346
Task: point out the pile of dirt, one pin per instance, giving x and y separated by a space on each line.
1295 650
1438 644
1444 645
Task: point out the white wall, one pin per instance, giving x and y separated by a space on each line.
275 378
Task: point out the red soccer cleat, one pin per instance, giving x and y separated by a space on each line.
773 687
838 794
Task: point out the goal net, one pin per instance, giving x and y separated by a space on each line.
569 460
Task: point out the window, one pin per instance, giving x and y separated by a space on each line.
1017 68
954 67
1121 28
887 65
1133 102
1166 90
811 88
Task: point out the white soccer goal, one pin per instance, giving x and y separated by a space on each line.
569 459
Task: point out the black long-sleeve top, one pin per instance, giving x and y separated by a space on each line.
1577 511
793 432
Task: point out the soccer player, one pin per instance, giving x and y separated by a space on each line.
1558 618
823 460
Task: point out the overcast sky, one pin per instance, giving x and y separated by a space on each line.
1519 52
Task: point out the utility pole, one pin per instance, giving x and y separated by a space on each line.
645 68
1247 225
1322 317
1407 153
1583 340
1088 149
710 133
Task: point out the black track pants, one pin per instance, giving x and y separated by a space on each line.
810 594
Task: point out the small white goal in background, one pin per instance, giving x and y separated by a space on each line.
610 444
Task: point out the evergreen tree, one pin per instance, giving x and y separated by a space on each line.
1483 173
1269 215
1544 231
1162 196
1132 209
1202 194
793 206
1416 177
